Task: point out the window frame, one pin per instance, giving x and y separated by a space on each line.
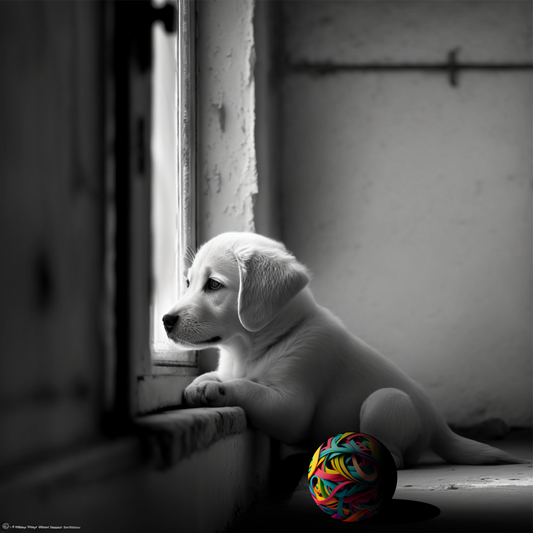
135 384
139 385
186 225
162 376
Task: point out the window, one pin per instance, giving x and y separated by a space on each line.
165 371
153 198
153 374
173 198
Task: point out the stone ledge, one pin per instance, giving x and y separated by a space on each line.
173 435
162 439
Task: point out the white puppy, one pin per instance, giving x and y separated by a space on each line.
298 373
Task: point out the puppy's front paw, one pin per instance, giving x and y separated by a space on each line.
205 394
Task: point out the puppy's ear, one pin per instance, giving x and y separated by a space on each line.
268 282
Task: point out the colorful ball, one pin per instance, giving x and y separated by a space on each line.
352 477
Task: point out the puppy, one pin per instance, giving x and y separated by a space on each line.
298 373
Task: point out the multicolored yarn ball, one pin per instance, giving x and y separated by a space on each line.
352 477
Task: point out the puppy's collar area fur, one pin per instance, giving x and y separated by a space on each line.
283 325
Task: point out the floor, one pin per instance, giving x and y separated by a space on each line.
435 496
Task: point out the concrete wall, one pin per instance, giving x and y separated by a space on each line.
410 198
227 166
238 108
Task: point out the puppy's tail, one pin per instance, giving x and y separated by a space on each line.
460 450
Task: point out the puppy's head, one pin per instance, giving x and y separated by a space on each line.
237 283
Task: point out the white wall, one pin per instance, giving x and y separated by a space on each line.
227 165
410 199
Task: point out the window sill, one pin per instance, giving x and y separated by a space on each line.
162 440
173 435
124 485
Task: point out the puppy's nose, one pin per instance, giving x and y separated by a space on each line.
169 321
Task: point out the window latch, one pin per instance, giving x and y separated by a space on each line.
165 14
144 16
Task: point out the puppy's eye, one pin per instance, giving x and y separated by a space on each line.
213 284
187 283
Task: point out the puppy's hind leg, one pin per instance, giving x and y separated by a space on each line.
390 416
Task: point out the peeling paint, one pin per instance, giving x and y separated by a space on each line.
213 183
226 103
251 64
221 115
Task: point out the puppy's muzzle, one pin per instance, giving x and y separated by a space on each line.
169 321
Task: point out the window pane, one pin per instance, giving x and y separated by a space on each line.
164 183
173 198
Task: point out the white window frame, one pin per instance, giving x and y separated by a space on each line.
158 379
167 355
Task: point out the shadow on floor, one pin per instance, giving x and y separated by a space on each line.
404 512
435 496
